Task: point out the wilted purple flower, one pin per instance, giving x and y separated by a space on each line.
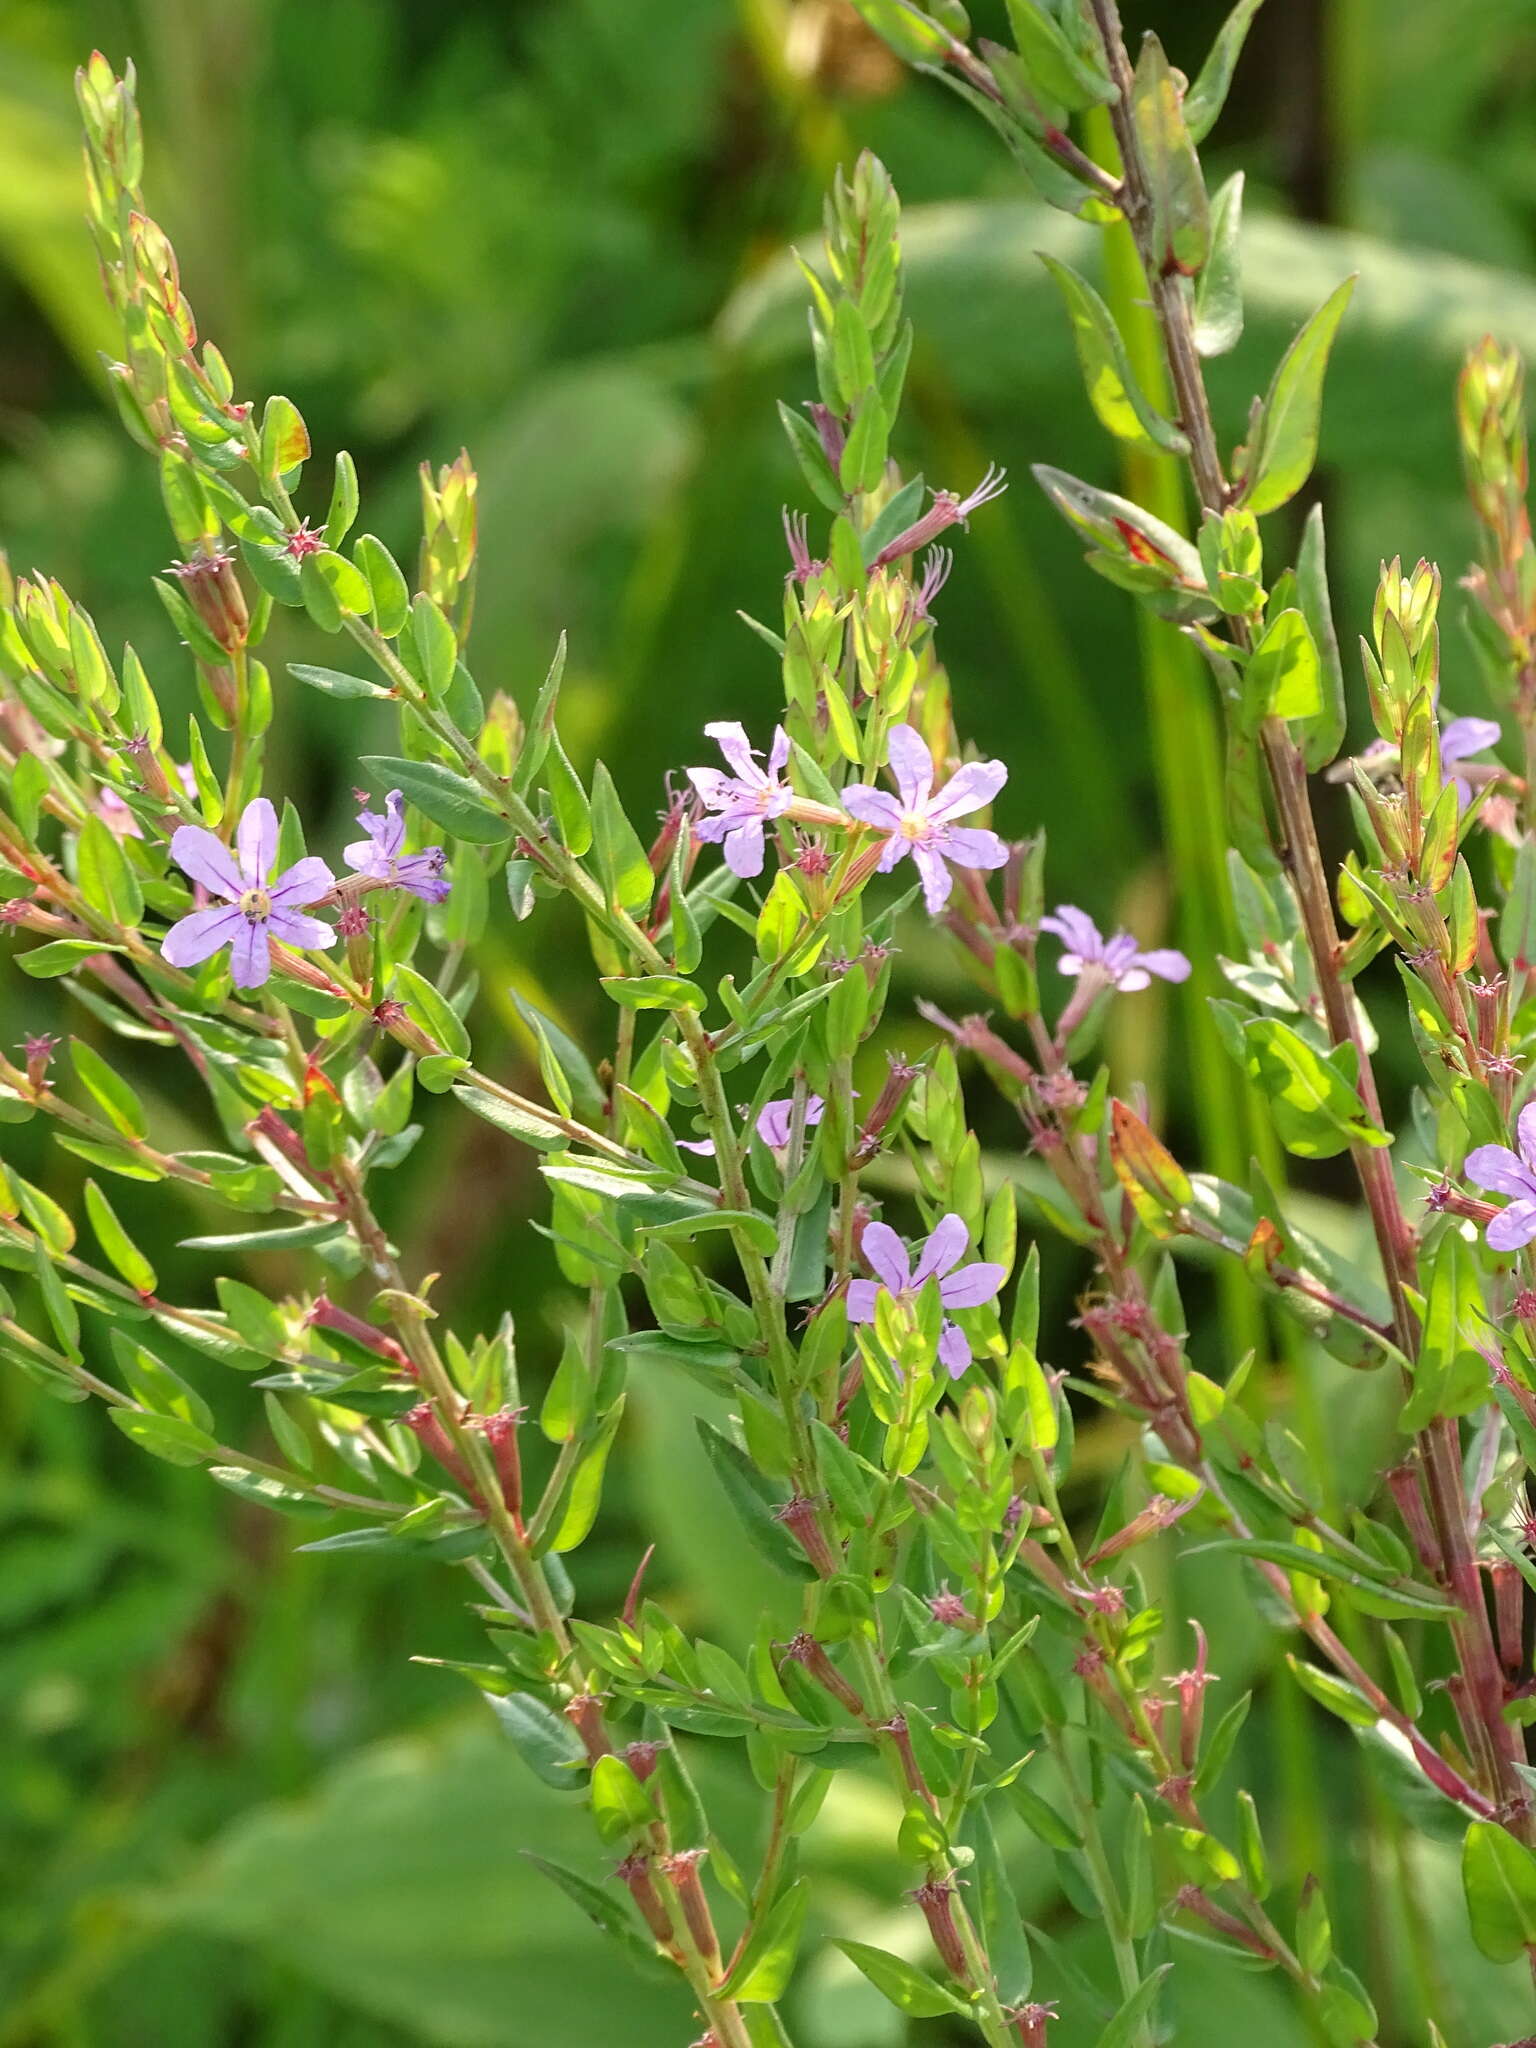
1510 1173
946 510
745 800
254 910
1117 959
382 858
773 1125
802 564
919 824
937 564
1459 740
962 1287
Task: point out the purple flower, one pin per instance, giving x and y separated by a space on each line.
1510 1173
1460 739
254 910
946 510
773 1125
382 858
1116 959
962 1287
919 824
745 800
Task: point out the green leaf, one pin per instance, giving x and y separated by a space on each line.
811 456
1498 1876
1403 1596
1053 64
1124 2028
654 992
432 1010
119 1247
1283 678
1181 223
620 1804
517 1123
605 1913
170 1437
264 1492
119 1104
107 880
1284 444
436 648
908 1988
1113 391
545 1740
1323 734
391 593
1450 1375
253 1317
154 1386
62 1313
1207 96
762 1971
755 1504
1318 1112
284 438
336 682
759 1231
1334 1694
621 859
449 800
60 956
584 1496
1122 528
1219 287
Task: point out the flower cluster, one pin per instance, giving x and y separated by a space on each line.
255 909
938 1259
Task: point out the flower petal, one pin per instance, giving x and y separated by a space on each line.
250 956
705 1147
884 1252
1166 962
1076 929
946 1245
1514 1227
730 736
295 929
1464 736
968 846
717 790
971 787
872 807
744 848
207 860
1497 1168
256 843
912 765
773 1122
954 1350
305 882
862 1296
423 874
1525 1133
969 1286
937 880
778 753
194 939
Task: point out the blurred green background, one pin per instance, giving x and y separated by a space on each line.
231 1809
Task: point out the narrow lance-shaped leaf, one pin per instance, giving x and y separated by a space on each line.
1219 287
1181 219
1323 732
1113 391
1283 447
1207 96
